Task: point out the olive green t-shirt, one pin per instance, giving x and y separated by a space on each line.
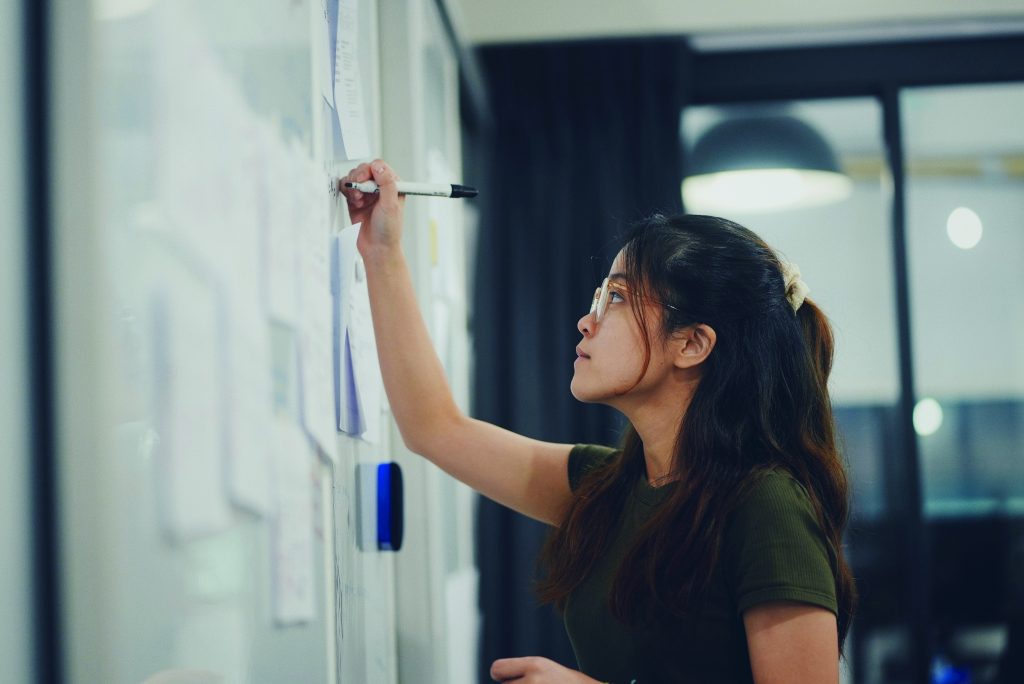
772 550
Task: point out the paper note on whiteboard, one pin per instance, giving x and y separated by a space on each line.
358 385
250 407
292 528
348 83
328 33
189 403
282 216
315 320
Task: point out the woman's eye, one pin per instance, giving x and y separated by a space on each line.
613 294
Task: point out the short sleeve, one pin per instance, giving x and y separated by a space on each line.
584 458
774 549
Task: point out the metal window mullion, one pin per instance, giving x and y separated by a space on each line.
911 508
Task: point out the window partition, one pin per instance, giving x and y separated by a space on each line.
964 150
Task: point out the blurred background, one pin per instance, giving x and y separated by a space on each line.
878 145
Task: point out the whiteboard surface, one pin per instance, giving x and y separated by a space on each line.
177 90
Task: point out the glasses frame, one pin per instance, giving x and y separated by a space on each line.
599 305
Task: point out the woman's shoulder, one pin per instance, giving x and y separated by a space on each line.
775 507
770 486
774 546
584 458
772 498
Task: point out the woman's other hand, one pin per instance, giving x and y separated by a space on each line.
379 213
536 670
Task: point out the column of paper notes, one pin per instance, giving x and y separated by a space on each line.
241 250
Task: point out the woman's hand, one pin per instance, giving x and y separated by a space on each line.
380 213
535 670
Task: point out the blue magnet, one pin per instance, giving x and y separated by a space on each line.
390 509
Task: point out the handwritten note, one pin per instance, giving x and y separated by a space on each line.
348 83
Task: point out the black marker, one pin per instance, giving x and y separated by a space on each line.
428 189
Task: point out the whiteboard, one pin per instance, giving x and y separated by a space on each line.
181 125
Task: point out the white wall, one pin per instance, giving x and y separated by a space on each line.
488 21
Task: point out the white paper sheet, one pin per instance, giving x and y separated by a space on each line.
199 114
316 329
329 35
317 365
358 384
189 404
249 408
462 622
347 415
348 83
364 362
246 353
292 527
283 218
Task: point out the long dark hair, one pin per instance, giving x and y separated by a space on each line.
762 402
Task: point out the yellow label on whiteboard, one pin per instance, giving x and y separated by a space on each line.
433 242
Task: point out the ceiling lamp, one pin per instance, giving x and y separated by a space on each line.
762 164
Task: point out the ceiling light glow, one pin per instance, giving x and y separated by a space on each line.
927 417
963 228
763 190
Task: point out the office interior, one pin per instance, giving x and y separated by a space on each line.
891 160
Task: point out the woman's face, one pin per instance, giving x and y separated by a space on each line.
610 357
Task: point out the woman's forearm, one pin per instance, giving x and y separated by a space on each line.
414 380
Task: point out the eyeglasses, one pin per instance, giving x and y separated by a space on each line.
602 295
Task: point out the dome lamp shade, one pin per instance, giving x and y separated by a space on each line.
762 164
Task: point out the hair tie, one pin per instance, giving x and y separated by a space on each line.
796 289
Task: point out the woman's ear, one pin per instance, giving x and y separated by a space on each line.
695 344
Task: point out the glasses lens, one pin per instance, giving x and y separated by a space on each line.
602 300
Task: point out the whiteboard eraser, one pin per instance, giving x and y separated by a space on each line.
380 507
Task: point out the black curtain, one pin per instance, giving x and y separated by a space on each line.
585 139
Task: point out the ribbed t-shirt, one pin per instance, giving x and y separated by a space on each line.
772 550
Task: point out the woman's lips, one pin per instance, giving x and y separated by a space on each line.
580 356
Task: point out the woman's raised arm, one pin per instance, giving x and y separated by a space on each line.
524 474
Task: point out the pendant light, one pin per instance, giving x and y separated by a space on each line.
762 164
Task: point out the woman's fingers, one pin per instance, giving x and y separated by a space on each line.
506 669
386 180
357 200
361 173
382 173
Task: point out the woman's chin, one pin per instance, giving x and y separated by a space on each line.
580 393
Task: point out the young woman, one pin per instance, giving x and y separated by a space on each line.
709 547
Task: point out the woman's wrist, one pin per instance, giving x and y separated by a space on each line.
381 254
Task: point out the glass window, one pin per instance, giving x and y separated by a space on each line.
965 199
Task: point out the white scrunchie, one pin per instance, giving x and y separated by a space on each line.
796 288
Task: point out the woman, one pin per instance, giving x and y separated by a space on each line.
709 547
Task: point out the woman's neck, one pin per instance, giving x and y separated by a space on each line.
657 424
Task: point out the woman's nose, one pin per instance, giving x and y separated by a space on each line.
586 324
